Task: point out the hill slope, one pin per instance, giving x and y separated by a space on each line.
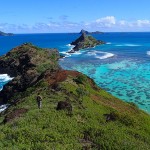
86 118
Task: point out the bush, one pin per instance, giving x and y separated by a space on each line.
80 79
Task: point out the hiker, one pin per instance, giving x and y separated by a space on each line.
39 101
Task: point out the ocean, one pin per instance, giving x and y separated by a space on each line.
121 66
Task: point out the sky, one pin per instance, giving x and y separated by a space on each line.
58 16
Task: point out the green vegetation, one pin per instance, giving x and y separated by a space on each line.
85 41
97 121
90 42
80 79
48 128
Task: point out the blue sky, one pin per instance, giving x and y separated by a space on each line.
47 16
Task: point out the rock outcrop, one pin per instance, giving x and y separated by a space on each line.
15 114
84 31
26 63
64 105
85 41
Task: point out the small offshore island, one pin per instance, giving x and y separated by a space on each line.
85 41
87 32
5 34
75 113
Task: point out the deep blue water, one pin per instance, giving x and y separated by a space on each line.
122 66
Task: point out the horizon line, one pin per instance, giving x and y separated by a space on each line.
78 32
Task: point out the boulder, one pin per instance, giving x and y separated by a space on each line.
64 105
110 117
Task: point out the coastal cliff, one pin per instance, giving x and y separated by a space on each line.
25 63
75 113
85 41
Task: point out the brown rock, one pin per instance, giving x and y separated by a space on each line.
15 114
63 105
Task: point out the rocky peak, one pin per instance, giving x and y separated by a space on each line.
84 31
85 41
25 63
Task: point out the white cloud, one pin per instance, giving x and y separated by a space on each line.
122 22
108 20
108 23
141 23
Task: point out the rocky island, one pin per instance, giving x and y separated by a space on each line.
5 34
75 113
85 41
87 32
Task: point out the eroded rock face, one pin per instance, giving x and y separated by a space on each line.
25 63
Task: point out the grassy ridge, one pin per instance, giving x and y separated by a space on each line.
48 128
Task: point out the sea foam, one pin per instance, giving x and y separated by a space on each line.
67 54
128 45
106 55
5 78
98 54
3 107
70 46
108 43
148 52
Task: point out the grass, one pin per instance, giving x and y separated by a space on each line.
48 128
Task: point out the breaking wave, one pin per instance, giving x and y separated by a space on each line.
3 79
67 54
130 45
148 53
108 43
100 54
3 107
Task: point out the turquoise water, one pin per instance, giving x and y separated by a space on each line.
122 81
121 67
